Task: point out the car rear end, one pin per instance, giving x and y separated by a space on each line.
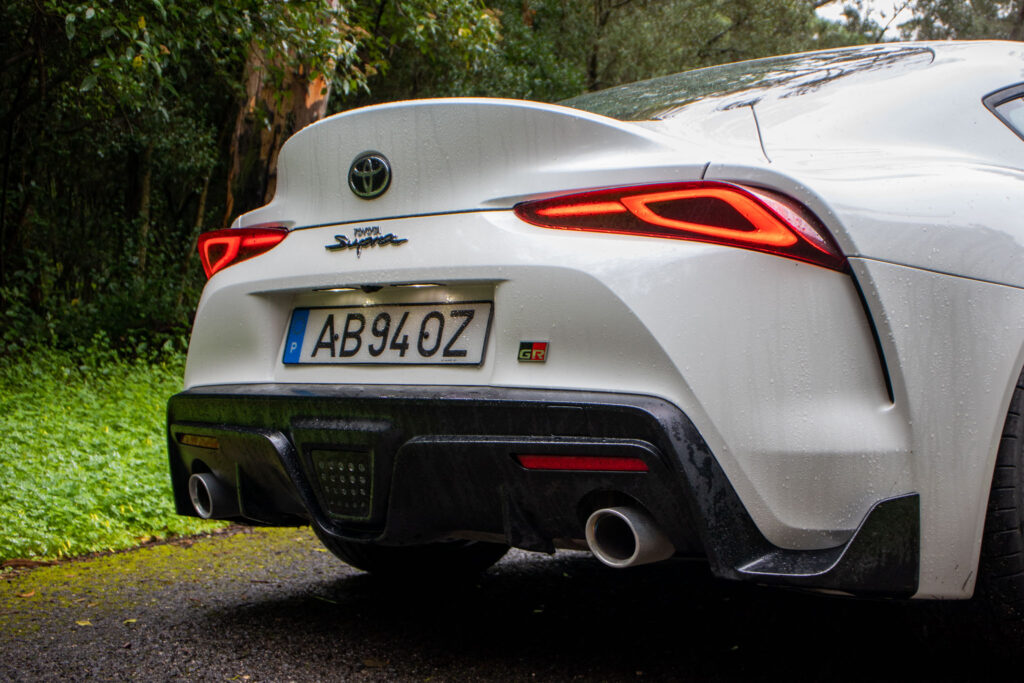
545 328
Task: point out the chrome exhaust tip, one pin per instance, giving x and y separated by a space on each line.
211 498
626 537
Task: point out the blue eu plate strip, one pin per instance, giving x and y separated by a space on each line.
296 331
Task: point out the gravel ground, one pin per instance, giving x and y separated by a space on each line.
270 605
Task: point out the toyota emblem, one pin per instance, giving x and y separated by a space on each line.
369 176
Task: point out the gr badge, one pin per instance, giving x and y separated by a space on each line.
533 352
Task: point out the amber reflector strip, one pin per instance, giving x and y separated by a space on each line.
199 441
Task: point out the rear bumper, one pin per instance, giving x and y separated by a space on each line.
406 465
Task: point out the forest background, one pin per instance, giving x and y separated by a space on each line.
128 127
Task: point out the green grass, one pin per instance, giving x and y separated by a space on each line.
83 461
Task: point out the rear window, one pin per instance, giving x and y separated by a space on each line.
745 83
1008 105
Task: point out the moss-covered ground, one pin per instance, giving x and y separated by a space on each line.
114 589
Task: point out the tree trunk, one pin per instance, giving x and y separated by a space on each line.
1017 28
8 238
602 14
271 113
145 195
197 229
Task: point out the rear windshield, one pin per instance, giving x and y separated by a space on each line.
1013 112
1008 105
745 83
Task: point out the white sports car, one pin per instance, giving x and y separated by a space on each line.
770 314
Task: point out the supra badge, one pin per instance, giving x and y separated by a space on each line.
363 238
533 352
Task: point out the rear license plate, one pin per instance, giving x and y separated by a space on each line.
409 334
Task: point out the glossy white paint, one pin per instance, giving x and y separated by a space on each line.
773 360
458 155
954 346
623 315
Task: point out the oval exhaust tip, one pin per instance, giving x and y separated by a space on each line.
210 498
626 537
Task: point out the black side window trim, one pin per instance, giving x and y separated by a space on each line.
994 100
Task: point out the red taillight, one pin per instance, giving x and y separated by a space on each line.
594 463
222 248
715 212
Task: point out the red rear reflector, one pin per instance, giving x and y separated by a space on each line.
222 248
719 213
595 463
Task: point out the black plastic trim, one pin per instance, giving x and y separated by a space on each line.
883 365
882 552
365 221
446 452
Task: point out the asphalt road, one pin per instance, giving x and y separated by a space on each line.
271 606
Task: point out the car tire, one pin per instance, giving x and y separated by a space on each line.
447 560
1001 566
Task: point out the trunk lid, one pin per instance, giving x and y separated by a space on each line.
456 155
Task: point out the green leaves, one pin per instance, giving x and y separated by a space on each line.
83 464
963 20
101 99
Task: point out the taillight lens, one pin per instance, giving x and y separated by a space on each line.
720 213
222 248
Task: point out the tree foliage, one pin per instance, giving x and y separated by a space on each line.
554 49
129 126
688 34
116 122
966 19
